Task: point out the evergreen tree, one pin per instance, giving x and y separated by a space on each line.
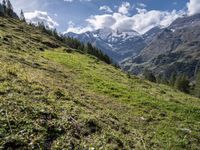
197 85
1 10
9 8
4 7
172 79
22 18
182 84
159 78
9 5
41 26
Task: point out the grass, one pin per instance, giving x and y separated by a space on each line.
58 100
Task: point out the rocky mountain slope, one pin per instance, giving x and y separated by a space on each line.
151 34
174 50
53 97
116 44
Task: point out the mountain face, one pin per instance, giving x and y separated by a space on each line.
116 44
173 50
151 34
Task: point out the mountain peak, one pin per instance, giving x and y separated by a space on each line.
106 33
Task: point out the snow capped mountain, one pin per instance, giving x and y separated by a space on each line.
115 43
114 36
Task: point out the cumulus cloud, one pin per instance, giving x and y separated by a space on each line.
145 20
101 21
121 20
193 7
124 8
141 22
105 9
39 16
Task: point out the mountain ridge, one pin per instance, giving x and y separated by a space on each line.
175 46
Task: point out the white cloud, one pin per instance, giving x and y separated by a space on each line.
193 7
101 21
39 16
75 29
124 8
141 5
141 22
106 9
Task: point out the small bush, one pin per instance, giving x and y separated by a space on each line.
182 84
149 76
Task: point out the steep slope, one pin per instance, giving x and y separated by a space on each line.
150 35
116 44
174 50
51 99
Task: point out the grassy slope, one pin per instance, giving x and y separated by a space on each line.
62 100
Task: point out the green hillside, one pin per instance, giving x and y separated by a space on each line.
52 97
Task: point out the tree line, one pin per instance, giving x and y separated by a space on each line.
73 43
6 10
87 48
178 81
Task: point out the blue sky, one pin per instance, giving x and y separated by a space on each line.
79 13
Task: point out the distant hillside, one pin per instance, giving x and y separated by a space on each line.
56 97
175 50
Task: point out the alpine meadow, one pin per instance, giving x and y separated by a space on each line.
115 87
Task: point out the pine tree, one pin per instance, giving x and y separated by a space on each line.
1 10
4 7
172 79
197 85
9 8
22 18
9 5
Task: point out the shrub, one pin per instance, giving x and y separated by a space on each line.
182 84
149 76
